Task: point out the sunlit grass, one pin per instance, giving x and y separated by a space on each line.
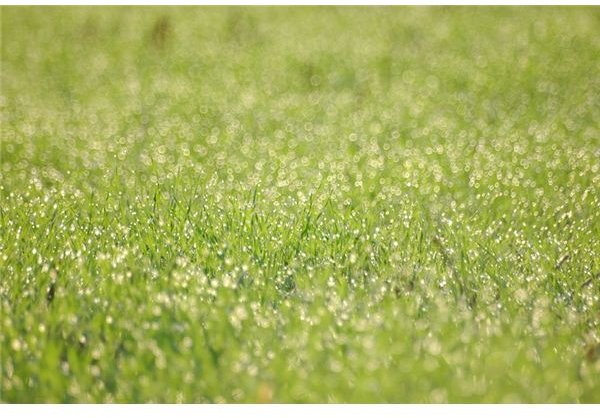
300 205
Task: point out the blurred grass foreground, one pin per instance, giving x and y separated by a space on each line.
300 204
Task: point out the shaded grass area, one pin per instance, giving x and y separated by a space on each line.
300 204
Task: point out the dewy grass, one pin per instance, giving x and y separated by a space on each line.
300 205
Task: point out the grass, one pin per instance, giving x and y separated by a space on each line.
300 204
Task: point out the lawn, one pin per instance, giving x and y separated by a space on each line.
272 204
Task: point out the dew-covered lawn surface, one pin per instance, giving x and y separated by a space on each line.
300 205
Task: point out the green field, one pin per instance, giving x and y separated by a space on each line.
300 204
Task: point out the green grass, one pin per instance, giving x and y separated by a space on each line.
300 205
